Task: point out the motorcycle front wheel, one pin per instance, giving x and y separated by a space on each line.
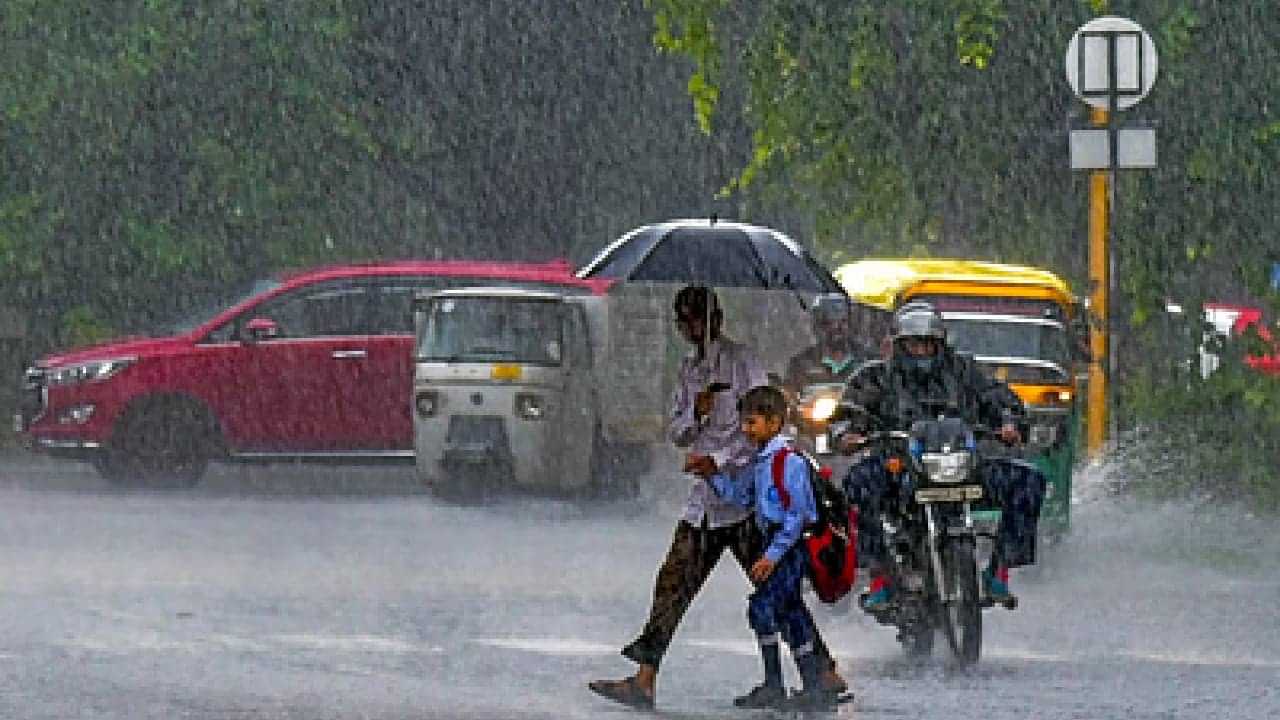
960 611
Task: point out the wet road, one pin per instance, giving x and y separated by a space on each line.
349 594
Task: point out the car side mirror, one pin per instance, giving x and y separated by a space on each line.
259 329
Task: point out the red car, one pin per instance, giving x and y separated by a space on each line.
316 365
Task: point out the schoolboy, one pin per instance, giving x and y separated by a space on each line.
776 606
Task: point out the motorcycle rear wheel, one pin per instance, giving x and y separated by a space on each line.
961 614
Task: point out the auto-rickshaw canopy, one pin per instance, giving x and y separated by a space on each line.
886 284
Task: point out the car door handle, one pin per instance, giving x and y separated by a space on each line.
349 354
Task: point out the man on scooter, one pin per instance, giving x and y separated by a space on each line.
891 394
837 352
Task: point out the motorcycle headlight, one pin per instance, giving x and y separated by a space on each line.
949 467
1043 434
88 371
823 409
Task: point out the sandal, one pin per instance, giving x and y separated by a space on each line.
625 692
833 683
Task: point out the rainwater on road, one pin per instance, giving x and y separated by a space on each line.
334 593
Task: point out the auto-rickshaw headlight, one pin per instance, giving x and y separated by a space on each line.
427 403
530 406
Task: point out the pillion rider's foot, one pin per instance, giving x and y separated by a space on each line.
996 581
878 596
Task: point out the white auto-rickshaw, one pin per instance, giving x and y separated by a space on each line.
503 392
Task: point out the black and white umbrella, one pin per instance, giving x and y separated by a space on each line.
712 252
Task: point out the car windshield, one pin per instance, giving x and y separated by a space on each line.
1031 340
211 308
486 329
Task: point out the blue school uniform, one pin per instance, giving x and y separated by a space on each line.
777 604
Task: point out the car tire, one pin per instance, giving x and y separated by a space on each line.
161 442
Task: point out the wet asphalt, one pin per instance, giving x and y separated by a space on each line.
353 593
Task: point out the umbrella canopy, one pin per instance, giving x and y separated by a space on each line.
712 252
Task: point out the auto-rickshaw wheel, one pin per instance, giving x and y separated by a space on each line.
466 484
610 476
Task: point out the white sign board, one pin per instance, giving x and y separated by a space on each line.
1098 45
1091 149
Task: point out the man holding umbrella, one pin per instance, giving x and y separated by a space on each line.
705 420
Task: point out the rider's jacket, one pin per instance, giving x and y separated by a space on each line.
895 396
812 366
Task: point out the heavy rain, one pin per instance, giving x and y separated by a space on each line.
354 371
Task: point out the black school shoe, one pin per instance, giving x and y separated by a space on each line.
812 701
762 696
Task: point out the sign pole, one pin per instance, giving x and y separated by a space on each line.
1111 65
1099 280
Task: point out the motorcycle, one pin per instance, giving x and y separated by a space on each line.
932 536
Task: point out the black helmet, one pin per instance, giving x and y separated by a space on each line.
918 319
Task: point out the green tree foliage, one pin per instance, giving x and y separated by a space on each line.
941 124
939 127
156 152
157 145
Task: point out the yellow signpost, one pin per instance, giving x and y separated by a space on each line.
1111 65
1100 284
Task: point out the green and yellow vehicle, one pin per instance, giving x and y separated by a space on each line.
1020 324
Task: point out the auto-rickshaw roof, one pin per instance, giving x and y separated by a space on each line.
883 283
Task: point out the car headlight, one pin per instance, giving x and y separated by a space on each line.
823 409
88 371
530 406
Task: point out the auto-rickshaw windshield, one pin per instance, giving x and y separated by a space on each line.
484 329
1023 339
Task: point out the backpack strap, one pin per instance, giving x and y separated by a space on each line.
779 467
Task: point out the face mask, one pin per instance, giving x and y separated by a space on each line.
919 366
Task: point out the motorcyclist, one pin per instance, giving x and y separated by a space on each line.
837 353
891 394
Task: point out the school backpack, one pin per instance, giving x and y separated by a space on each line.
831 542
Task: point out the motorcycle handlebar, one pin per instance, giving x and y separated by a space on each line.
980 431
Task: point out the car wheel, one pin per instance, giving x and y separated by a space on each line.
161 443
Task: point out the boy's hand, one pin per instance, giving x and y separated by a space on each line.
701 465
761 570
